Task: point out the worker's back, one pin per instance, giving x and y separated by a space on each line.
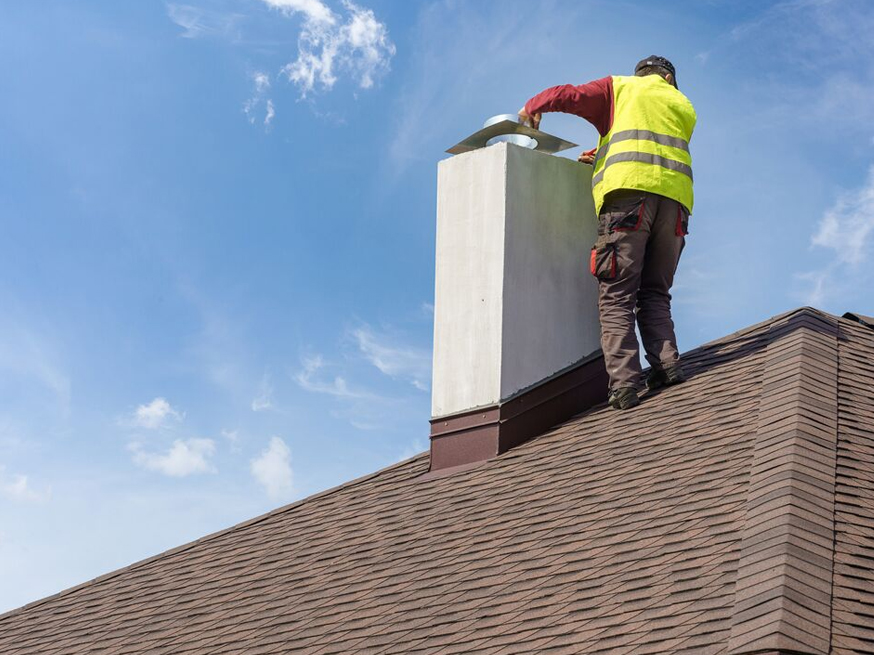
647 147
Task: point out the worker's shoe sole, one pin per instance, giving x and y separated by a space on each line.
623 398
665 377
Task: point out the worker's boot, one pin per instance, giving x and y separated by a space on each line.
666 376
623 398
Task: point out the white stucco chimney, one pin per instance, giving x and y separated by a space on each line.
515 311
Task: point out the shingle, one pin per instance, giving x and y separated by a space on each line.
733 512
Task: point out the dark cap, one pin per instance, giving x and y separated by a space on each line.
655 60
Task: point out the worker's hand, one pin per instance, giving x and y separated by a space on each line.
527 119
587 157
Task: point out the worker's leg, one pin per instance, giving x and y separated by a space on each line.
667 238
623 230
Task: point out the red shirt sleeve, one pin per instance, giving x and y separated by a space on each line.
592 101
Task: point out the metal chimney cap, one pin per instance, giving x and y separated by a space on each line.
501 117
508 124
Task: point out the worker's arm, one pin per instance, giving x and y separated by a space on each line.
592 101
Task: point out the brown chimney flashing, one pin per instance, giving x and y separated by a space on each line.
485 432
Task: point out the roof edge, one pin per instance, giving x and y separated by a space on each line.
207 537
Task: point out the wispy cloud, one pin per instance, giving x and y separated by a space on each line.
184 457
330 45
846 229
253 106
311 378
396 360
272 469
198 22
369 381
221 348
232 437
154 415
362 408
262 82
26 355
16 487
264 398
827 47
817 286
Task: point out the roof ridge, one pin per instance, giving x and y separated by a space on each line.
749 330
207 537
801 368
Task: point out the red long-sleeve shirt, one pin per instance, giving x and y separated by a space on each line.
592 101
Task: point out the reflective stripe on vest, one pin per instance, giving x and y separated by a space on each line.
645 158
647 148
642 135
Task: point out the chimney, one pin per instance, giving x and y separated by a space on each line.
516 331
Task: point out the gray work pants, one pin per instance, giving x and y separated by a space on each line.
640 238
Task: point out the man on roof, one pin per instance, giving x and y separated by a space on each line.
642 186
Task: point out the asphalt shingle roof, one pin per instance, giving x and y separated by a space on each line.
731 514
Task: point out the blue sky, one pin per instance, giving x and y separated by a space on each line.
216 262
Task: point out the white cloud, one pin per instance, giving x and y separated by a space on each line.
330 45
846 229
363 409
262 81
264 400
18 488
198 22
315 10
272 469
396 361
307 378
252 106
157 414
185 457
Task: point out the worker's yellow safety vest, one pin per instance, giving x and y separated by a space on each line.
647 148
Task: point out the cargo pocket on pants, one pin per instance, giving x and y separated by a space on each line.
625 217
682 221
602 262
